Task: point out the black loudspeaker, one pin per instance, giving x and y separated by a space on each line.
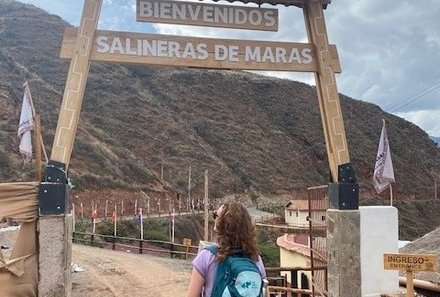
343 196
53 198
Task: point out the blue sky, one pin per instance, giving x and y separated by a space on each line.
389 49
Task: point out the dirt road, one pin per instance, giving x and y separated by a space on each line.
114 273
110 273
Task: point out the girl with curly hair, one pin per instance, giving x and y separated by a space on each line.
235 231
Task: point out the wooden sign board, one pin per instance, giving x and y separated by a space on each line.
187 241
207 14
154 49
410 262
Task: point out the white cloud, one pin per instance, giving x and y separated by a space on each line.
424 118
389 50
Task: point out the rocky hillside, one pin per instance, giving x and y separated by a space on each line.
252 132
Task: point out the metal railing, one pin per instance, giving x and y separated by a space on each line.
135 245
275 289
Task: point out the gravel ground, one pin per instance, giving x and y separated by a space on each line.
116 273
104 273
428 244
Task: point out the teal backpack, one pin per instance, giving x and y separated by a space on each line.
236 276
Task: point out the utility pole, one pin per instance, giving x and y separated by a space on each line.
189 188
435 188
206 206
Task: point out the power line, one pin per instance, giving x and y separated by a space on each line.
416 97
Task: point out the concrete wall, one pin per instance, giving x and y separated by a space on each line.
55 256
379 235
296 217
294 259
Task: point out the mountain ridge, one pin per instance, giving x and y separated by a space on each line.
252 133
435 139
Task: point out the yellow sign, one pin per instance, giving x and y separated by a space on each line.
211 15
410 262
187 241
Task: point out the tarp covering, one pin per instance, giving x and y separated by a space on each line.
19 274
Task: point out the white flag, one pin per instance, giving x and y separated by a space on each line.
383 171
25 126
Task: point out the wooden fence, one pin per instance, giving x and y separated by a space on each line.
135 245
278 284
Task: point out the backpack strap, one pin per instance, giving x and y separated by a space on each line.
212 248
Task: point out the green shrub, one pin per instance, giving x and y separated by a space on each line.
270 253
269 250
154 229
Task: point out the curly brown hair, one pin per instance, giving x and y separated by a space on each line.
236 232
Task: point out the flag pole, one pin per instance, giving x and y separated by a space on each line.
173 225
94 219
116 215
391 194
141 218
28 90
206 214
73 216
37 141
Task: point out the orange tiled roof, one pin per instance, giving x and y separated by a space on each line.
287 241
300 204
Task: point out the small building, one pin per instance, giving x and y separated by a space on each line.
295 252
296 213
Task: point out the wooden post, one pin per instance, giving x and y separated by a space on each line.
205 202
106 209
141 221
158 206
40 144
328 97
76 83
115 218
37 140
409 283
187 244
189 190
391 194
173 218
73 217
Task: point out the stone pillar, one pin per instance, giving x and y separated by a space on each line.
55 256
343 246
